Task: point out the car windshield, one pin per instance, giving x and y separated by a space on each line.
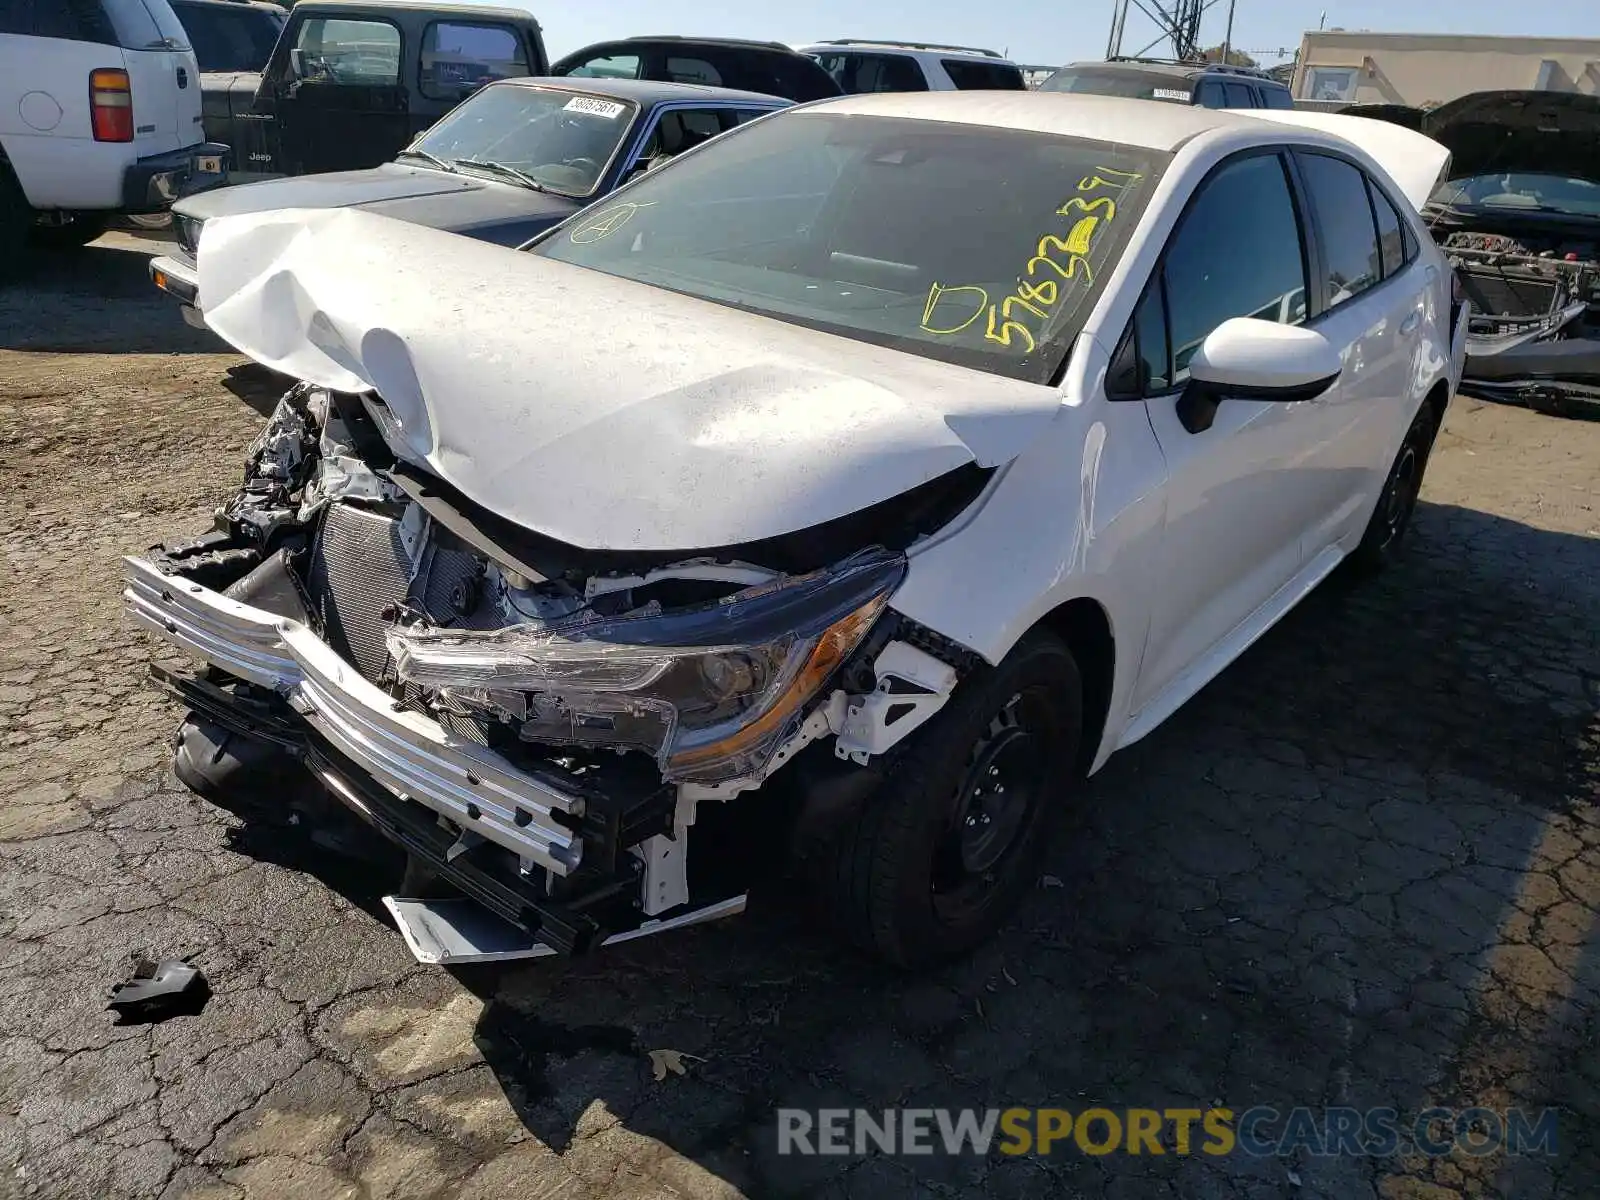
1133 85
972 244
563 140
1523 192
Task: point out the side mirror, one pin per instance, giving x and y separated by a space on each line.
1246 358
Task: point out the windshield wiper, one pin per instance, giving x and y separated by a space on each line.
501 168
433 160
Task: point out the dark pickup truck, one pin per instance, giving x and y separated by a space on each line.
350 83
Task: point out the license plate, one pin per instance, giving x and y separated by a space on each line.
208 164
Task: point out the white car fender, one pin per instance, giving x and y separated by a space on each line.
1078 516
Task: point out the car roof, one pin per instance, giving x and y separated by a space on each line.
912 49
1174 70
673 39
645 92
1149 124
270 5
445 11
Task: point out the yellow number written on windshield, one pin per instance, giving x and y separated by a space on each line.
1059 262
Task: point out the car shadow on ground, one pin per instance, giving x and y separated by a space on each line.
259 387
1360 869
100 300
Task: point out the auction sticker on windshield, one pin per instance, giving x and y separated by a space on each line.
1171 94
609 109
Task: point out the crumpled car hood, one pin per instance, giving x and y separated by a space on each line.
591 409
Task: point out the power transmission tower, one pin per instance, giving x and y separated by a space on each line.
1177 20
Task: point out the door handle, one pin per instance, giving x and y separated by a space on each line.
1409 325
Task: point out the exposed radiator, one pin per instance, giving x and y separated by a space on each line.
358 570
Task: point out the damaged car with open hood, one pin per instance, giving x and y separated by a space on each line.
833 499
1520 220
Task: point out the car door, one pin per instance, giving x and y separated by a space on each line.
338 90
1236 511
1376 321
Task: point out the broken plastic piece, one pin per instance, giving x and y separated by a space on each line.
160 990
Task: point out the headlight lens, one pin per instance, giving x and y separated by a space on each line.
711 691
188 231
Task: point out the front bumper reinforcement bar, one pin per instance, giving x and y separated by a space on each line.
406 752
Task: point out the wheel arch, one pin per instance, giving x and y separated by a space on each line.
1085 626
1438 399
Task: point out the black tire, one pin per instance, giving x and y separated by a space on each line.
903 883
75 234
1386 532
16 219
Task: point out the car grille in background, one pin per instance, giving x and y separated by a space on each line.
1501 294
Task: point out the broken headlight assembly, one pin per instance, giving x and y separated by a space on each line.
711 691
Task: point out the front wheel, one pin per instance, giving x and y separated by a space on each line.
946 850
1386 532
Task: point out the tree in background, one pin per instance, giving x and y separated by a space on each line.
1236 58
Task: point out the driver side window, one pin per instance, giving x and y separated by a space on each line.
680 129
1238 252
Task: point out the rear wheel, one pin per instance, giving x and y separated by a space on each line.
16 219
950 845
1386 532
70 231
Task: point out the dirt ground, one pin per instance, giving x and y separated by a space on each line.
1361 869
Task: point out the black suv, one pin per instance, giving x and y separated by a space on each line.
1210 84
231 35
770 68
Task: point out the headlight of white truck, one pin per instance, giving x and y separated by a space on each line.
710 691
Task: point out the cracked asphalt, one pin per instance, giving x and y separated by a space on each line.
1362 868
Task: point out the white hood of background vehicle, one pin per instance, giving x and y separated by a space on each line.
1413 160
601 412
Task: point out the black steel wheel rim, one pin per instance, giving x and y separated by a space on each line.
993 803
1402 494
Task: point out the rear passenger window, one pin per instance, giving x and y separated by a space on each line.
44 18
856 73
1392 242
608 66
127 23
693 70
1277 97
1238 253
458 56
970 76
1239 95
1350 258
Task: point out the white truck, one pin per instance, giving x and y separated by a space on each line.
99 115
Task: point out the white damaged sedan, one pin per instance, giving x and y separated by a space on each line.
836 497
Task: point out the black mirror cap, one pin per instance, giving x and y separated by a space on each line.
1197 406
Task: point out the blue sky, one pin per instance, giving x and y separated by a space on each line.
1037 32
